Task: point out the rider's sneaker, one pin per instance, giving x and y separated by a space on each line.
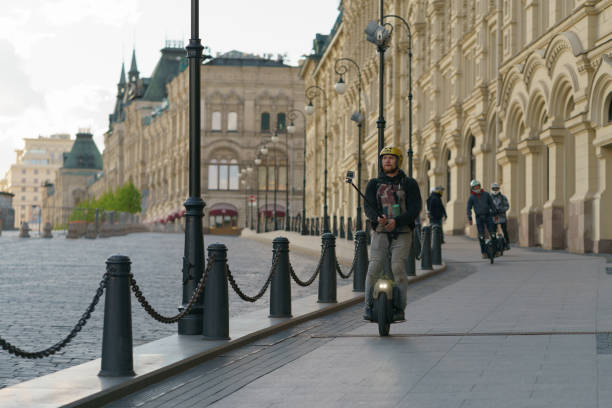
367 314
398 316
484 256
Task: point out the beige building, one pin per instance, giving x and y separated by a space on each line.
542 68
34 166
79 168
245 99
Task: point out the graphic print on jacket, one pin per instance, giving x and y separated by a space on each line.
392 200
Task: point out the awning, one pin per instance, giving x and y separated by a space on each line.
268 210
223 209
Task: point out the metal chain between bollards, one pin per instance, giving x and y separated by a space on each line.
164 319
61 344
352 269
313 277
243 295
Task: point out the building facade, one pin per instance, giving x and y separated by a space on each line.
244 100
509 91
35 165
73 179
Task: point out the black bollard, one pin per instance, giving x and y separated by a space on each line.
335 227
117 356
436 244
361 263
280 287
426 248
349 229
327 276
317 232
216 299
342 235
411 264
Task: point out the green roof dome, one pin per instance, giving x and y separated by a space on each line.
84 154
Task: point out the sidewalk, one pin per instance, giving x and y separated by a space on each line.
532 330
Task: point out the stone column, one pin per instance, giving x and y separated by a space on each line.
603 202
456 206
508 159
553 212
580 229
531 213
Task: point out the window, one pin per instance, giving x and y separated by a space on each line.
233 175
223 173
448 177
223 176
22 198
213 175
48 172
472 158
36 189
610 108
427 168
232 122
35 171
35 198
23 189
280 121
265 122
547 173
23 171
216 121
35 181
23 180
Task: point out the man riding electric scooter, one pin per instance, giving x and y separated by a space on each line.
398 203
484 209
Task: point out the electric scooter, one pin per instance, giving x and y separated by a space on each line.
386 294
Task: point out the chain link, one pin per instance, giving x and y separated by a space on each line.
61 344
164 319
243 295
353 264
313 277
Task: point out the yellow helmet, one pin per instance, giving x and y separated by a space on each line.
394 151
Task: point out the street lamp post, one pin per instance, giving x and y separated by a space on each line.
291 129
274 139
341 68
377 34
407 26
312 92
287 222
193 261
257 163
264 151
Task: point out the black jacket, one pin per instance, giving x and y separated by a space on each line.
482 204
435 207
413 199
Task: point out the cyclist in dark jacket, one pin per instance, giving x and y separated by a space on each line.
435 208
484 209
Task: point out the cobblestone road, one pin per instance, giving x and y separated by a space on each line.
45 285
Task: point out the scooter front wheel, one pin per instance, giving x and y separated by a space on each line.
384 314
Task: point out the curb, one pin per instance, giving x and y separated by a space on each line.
129 387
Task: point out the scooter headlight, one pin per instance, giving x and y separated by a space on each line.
383 285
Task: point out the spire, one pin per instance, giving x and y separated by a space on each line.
122 77
133 67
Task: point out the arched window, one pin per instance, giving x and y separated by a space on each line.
448 176
280 121
547 173
609 108
216 121
233 175
472 158
213 175
223 175
427 168
232 122
265 122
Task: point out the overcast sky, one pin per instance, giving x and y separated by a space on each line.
61 59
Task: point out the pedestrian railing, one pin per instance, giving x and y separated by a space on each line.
118 281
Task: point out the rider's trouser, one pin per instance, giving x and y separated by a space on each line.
382 248
504 227
482 222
